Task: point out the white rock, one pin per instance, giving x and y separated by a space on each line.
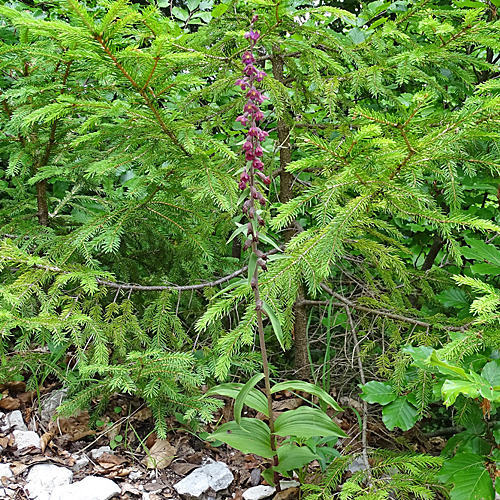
258 492
99 451
5 472
90 488
43 478
214 475
81 462
357 465
49 406
289 483
135 474
14 419
26 439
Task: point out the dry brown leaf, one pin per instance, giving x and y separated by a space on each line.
144 414
45 440
108 460
8 403
288 494
183 468
72 428
130 488
287 404
18 467
13 386
160 455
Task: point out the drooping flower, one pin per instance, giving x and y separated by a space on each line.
252 35
248 58
257 164
243 83
254 131
262 135
243 120
259 76
247 146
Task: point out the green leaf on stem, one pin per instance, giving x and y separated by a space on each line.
292 457
299 385
252 264
400 413
378 392
276 324
242 396
250 436
254 399
305 422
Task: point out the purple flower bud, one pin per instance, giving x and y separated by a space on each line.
262 264
258 152
244 177
262 135
262 201
243 120
248 58
266 180
254 131
242 185
255 18
252 35
246 206
247 245
255 237
261 221
257 164
249 156
259 76
253 283
260 254
249 229
247 146
254 193
251 212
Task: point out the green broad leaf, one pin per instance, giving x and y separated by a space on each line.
469 4
192 4
250 436
496 3
452 388
378 392
244 392
357 36
263 237
491 372
181 14
420 355
276 324
470 477
481 251
252 264
447 368
400 413
483 269
230 287
292 457
163 3
497 480
254 399
240 229
299 385
453 297
218 10
305 422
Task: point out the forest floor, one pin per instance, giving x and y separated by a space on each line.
124 448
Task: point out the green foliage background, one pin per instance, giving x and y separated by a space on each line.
119 152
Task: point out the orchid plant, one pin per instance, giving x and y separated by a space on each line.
302 425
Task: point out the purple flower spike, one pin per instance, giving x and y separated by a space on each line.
258 152
247 146
248 58
244 177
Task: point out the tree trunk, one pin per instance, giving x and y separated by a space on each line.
286 182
